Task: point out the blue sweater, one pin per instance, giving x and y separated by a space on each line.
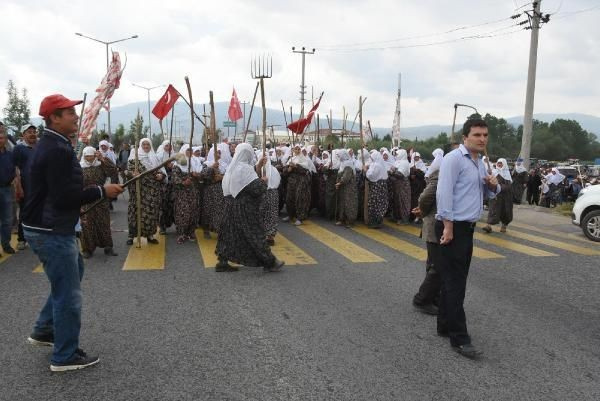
54 190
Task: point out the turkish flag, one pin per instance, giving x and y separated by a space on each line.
298 126
165 103
235 111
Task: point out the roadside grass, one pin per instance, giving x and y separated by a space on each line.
565 209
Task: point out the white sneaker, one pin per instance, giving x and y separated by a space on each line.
21 245
298 222
286 218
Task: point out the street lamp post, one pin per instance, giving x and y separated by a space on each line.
148 90
454 120
106 44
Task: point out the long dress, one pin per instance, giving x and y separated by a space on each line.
330 179
377 202
186 201
322 185
346 195
298 193
214 201
417 185
242 237
501 207
518 186
360 194
402 197
151 191
283 184
269 209
95 224
167 217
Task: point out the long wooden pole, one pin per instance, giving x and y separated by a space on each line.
138 183
171 131
285 118
251 108
264 122
292 119
362 155
213 125
189 88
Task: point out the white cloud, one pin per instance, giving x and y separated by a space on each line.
213 43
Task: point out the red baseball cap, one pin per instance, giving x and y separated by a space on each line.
54 102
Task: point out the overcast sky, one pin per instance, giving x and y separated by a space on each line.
213 43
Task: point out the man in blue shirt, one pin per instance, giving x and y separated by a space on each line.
21 154
7 195
463 183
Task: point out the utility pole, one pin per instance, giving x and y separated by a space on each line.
304 52
534 24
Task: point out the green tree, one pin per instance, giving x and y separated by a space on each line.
17 108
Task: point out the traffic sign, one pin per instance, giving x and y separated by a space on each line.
229 124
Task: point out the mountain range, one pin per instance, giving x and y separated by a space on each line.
126 113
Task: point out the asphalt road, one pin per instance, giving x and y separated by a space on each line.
335 330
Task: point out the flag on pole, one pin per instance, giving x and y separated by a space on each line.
235 110
166 102
105 91
298 126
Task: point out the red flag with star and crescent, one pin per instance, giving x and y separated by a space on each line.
166 102
298 126
235 110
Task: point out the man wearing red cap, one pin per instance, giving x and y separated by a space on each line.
54 196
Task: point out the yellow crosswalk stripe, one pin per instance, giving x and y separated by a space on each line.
416 231
347 249
393 242
13 244
284 249
148 257
556 244
511 245
207 248
548 231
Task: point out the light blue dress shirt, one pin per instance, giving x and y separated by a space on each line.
461 187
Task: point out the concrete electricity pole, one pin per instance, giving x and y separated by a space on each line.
304 52
534 24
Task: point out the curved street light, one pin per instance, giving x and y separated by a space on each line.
148 89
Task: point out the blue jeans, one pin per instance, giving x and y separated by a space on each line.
7 198
61 314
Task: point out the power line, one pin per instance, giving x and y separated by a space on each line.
486 35
466 27
567 14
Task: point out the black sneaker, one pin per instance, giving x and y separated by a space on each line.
468 351
8 249
80 361
46 340
277 265
428 309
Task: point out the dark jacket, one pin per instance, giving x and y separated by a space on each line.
427 204
54 192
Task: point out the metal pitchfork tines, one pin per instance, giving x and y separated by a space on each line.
261 67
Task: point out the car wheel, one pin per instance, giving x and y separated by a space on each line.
591 225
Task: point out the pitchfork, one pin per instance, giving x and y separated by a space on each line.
261 68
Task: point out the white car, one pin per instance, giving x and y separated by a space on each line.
586 212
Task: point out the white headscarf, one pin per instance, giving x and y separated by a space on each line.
335 161
402 164
303 161
377 170
345 160
389 163
109 154
324 160
438 156
240 172
161 153
358 164
286 153
418 164
225 152
272 174
88 151
504 172
149 160
210 160
555 178
519 168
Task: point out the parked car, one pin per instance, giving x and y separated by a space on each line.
586 212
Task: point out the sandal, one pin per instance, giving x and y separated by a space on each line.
180 240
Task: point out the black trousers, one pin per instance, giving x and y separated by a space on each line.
429 291
453 262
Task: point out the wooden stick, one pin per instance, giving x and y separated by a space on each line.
138 186
189 88
362 155
264 122
251 108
